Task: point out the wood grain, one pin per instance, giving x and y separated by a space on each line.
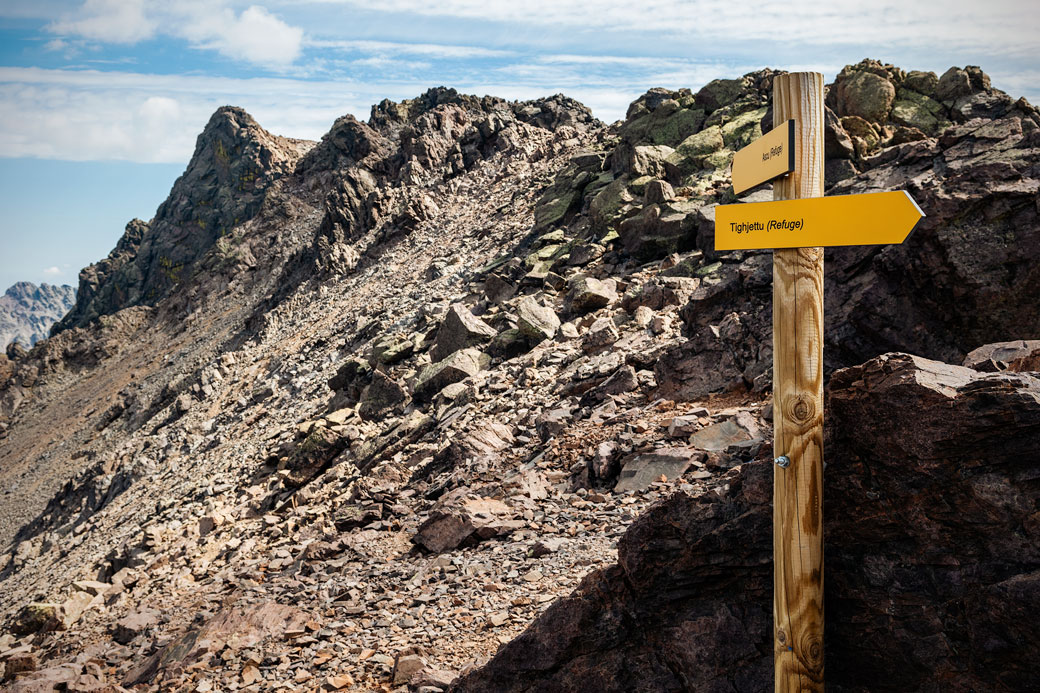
798 406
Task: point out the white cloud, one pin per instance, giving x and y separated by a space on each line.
611 60
433 50
84 115
384 63
52 271
253 35
110 21
1005 26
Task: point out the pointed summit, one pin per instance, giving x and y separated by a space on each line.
224 185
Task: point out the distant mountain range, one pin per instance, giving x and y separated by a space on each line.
27 311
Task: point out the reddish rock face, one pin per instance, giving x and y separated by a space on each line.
932 557
237 626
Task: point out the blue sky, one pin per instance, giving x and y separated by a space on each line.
101 100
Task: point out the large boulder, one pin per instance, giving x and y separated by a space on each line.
457 367
535 321
588 293
458 520
694 153
459 330
661 229
968 274
866 95
932 557
381 395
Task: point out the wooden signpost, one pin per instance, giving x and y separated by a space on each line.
871 219
769 156
796 224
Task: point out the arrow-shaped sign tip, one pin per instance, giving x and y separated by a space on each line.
917 214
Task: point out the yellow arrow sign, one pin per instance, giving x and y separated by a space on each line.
870 219
769 156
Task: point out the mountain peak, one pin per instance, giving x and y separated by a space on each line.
224 184
27 311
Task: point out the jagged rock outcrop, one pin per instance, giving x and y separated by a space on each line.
27 311
224 185
417 142
964 278
931 557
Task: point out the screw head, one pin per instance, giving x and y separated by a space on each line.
783 461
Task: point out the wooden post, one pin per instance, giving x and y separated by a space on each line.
798 406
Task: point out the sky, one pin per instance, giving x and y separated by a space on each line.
101 100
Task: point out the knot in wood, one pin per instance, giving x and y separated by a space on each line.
812 650
801 409
781 636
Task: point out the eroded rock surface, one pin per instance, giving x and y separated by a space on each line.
931 557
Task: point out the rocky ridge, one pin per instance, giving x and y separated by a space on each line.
363 438
27 311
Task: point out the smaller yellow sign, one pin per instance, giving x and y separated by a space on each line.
869 219
769 156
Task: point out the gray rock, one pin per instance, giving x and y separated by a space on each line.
545 547
921 82
601 333
380 396
717 437
38 617
460 329
682 426
583 253
658 191
535 321
1019 355
510 343
406 666
620 381
391 349
953 84
554 281
588 293
497 289
553 422
719 93
126 629
866 95
604 463
568 330
459 366
642 470
182 405
836 141
647 160
457 520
